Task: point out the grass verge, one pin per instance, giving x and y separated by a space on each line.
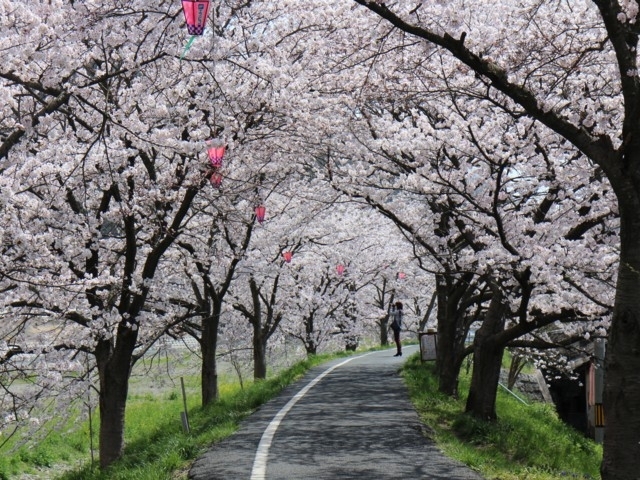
156 446
528 442
164 452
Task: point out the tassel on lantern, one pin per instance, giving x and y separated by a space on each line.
260 212
216 179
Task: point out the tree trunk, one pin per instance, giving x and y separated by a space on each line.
450 341
114 368
209 367
113 400
621 395
487 361
427 315
311 348
310 343
384 331
259 353
351 345
448 363
259 337
517 364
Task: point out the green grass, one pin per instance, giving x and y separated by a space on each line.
526 443
61 441
156 447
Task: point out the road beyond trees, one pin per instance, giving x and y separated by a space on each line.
348 419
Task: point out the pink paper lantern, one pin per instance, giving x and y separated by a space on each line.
287 256
216 179
402 275
260 212
195 14
216 153
340 269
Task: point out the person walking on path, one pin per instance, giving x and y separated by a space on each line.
396 326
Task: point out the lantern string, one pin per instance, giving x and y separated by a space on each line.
213 60
187 46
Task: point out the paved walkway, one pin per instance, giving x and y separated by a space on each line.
348 419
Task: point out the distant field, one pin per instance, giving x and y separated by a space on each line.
155 384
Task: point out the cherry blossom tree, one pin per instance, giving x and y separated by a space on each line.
488 141
211 266
101 135
573 68
107 203
396 117
487 213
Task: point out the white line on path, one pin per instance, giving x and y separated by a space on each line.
259 470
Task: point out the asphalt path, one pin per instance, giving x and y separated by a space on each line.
347 419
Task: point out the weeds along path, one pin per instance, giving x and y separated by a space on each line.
345 419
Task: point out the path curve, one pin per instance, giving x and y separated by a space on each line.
346 419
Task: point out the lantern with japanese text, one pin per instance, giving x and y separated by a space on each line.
195 14
287 256
216 153
260 212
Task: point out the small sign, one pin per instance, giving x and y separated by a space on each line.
428 346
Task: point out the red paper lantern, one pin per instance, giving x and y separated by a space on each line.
195 14
216 179
340 269
287 256
402 275
216 153
260 211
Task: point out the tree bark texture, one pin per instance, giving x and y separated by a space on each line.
310 344
259 340
114 367
384 331
209 367
113 401
451 335
487 361
259 353
621 396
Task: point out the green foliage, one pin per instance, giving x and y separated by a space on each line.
6 468
527 442
58 442
157 448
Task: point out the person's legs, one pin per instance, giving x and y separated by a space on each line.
396 338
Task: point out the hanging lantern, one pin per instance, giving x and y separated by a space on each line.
402 275
287 256
340 269
216 179
195 14
216 153
260 211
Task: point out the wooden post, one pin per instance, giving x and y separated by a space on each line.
184 415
